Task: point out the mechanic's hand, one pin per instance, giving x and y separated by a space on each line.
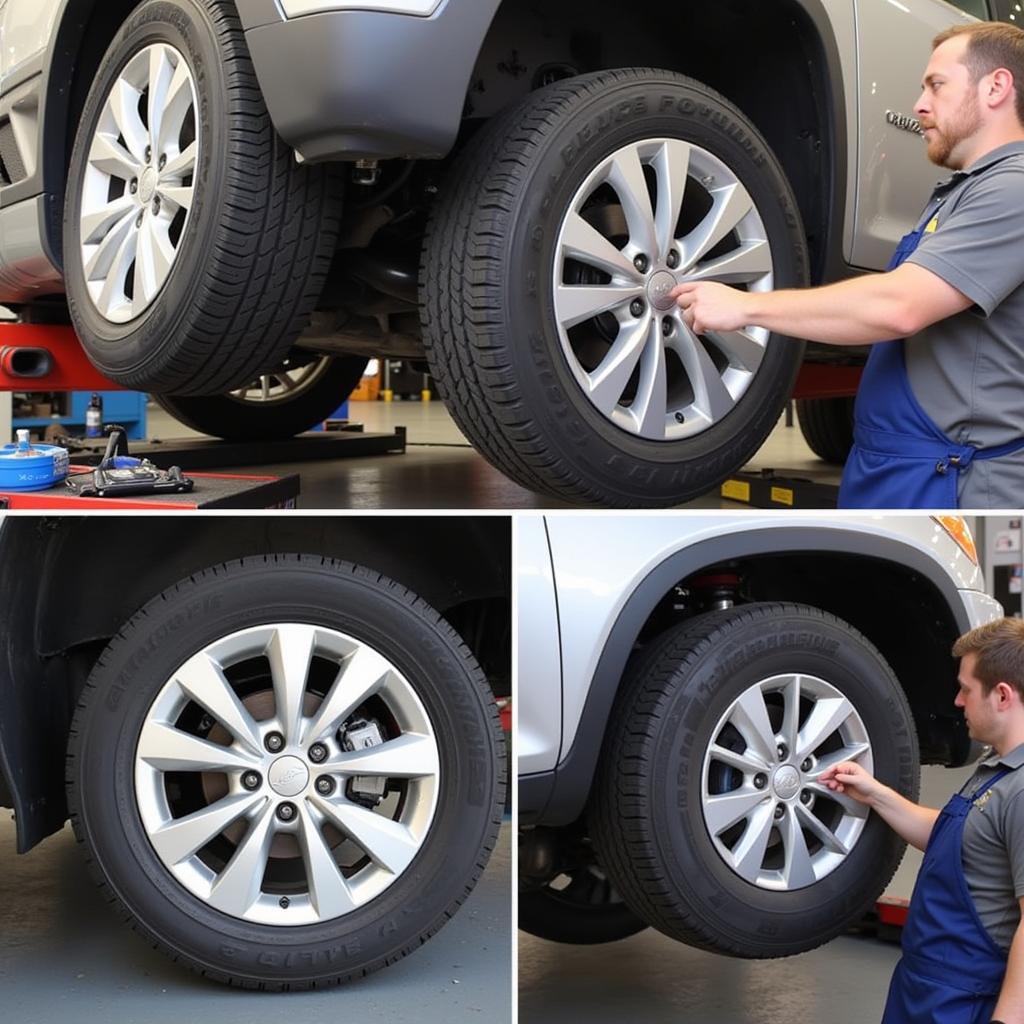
709 306
850 778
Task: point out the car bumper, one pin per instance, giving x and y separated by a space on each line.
370 84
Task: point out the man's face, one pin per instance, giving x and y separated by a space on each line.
979 710
948 108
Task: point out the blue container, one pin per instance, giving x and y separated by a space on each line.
28 467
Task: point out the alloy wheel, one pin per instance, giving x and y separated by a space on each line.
652 215
287 774
767 813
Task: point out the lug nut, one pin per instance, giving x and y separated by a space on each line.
325 785
782 750
805 797
149 153
641 262
636 307
156 204
286 811
251 780
667 325
163 161
134 186
274 742
760 780
779 812
138 221
806 765
672 260
317 753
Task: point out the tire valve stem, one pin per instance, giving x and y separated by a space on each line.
284 903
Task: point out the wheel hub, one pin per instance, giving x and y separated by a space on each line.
786 782
288 776
658 289
147 185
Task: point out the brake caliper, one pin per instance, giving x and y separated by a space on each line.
362 734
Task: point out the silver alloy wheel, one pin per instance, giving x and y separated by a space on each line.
284 384
617 256
137 189
213 809
768 816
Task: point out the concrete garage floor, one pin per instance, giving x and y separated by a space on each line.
440 470
653 979
64 956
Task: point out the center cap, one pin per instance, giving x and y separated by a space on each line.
288 776
147 185
786 782
658 288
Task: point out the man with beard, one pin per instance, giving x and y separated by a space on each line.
963 942
939 419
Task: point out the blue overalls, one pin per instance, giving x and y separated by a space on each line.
951 970
900 458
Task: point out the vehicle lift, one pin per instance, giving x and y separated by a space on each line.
771 489
36 357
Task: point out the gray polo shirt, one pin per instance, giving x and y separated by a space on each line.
967 371
993 846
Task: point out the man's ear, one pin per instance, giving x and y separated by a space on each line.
1006 694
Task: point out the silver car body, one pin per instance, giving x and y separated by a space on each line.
575 574
882 49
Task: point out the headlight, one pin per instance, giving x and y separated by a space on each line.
958 529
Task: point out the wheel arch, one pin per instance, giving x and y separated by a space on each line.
80 579
825 556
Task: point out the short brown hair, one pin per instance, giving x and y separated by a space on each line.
999 647
992 45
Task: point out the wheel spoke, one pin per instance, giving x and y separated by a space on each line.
149 264
626 176
202 679
791 711
328 890
160 74
289 653
182 837
112 219
361 675
847 753
671 165
238 886
814 824
109 248
113 293
748 853
608 382
797 871
389 844
180 166
711 397
723 811
826 716
576 303
748 761
177 103
179 195
741 348
852 807
409 756
730 204
650 406
170 750
106 154
744 265
124 106
581 241
750 718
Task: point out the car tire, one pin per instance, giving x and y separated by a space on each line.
699 757
202 664
205 260
316 389
827 426
546 398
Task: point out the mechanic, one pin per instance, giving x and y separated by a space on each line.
963 942
948 395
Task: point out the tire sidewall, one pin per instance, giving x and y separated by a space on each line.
594 129
164 638
751 652
120 349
